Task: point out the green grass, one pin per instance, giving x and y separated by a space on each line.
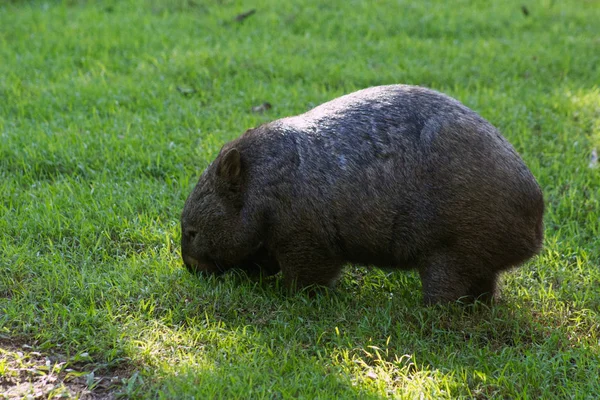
109 111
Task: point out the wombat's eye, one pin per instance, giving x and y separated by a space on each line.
191 233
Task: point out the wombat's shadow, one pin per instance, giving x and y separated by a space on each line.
384 307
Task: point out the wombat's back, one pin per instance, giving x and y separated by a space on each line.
388 174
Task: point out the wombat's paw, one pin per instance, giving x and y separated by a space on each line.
298 277
311 291
464 292
262 267
255 271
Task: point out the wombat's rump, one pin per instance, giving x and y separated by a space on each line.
391 176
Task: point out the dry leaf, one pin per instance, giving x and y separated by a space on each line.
245 15
262 108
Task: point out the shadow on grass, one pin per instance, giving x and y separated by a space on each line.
181 336
370 338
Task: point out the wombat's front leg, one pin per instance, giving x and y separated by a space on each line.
261 263
449 277
304 265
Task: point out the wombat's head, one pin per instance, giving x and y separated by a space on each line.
215 233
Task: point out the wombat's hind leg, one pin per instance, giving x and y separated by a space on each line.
447 278
483 288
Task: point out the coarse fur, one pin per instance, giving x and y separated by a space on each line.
396 177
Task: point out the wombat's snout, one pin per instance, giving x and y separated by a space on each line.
193 262
187 236
201 266
190 265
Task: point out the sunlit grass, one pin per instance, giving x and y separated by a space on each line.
109 111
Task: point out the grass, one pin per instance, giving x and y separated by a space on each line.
109 111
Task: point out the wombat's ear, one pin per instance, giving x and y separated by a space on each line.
230 166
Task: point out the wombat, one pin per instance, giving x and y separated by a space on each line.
396 177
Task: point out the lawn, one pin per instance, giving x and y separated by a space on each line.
109 112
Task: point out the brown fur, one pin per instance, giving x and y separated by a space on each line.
392 176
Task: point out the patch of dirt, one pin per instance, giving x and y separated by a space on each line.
26 373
